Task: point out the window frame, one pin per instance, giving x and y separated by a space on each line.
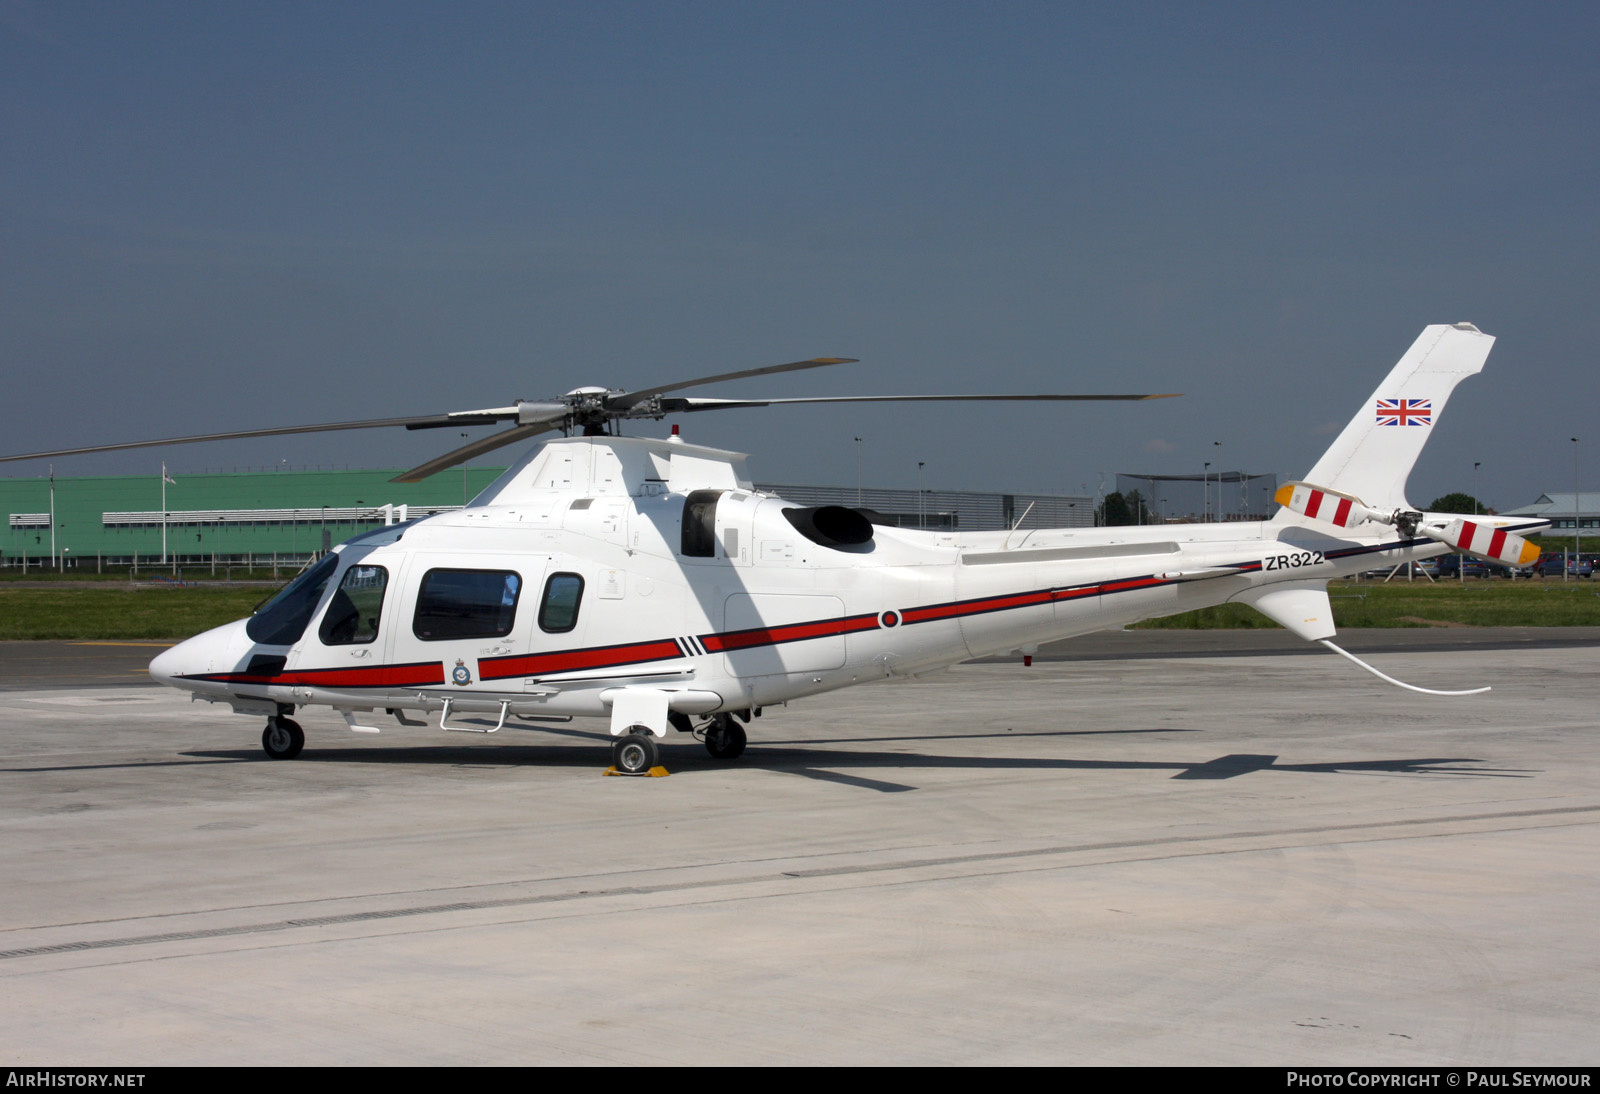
383 597
422 595
289 603
544 602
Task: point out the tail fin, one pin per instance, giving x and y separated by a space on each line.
1373 457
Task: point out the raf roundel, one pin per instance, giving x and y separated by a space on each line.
889 620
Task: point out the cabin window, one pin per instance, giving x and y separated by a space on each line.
353 613
700 524
466 604
558 611
282 620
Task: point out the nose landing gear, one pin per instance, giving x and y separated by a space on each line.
725 738
283 738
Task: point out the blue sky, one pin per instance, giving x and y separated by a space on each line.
234 215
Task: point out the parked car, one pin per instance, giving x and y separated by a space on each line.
1558 565
1455 565
1427 567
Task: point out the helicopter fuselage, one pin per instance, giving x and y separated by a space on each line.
647 581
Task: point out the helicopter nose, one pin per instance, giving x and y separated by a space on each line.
214 651
184 659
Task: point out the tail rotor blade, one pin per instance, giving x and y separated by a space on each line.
1320 503
1485 541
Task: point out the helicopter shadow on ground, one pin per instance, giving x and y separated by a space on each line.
866 768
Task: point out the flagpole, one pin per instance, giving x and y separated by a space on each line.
53 560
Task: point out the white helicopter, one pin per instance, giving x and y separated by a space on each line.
648 582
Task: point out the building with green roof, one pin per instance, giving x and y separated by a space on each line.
278 518
246 516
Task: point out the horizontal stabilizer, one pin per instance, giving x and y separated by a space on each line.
1484 541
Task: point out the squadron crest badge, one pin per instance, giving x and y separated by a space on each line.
461 675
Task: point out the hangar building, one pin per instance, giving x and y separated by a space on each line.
276 517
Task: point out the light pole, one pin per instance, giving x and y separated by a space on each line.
165 479
858 472
1205 492
1218 454
1577 508
922 519
1474 513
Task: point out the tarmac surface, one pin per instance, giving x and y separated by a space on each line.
1158 849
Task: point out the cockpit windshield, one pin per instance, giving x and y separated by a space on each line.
282 620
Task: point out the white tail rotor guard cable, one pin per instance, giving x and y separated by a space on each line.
1391 679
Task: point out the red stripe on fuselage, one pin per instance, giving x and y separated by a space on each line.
1131 583
792 632
420 674
598 657
960 608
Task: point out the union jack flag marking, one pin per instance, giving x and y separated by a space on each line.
1405 412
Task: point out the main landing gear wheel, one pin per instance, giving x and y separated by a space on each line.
725 739
283 738
635 753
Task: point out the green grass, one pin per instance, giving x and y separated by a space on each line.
1546 602
95 612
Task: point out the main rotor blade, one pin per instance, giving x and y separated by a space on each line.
476 448
673 406
633 398
429 421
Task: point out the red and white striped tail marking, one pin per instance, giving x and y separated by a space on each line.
1325 505
1485 541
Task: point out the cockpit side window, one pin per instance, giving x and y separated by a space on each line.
558 611
282 620
466 604
700 524
353 613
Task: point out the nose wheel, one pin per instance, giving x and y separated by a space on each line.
725 738
283 738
